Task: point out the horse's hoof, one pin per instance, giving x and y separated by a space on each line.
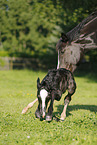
37 114
61 119
48 118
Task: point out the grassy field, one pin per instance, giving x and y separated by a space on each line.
18 88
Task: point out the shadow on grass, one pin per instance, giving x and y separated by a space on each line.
87 70
92 108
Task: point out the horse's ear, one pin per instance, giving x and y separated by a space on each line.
38 83
64 37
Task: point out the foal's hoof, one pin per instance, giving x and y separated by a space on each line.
37 114
62 119
48 118
63 116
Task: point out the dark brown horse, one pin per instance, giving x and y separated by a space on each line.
71 45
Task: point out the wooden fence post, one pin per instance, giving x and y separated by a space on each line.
11 64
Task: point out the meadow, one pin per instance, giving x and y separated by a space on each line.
18 88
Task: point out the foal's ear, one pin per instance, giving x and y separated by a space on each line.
64 37
38 83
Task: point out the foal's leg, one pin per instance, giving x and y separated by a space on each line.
66 102
37 112
50 109
71 91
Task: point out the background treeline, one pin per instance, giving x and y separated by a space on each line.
31 28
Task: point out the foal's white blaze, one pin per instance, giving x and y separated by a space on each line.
43 95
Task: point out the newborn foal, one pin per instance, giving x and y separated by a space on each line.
55 83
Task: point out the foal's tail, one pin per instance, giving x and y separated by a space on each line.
29 106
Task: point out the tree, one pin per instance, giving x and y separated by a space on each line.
34 26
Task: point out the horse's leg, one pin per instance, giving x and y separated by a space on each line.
66 102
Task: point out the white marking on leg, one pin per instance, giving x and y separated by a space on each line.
63 114
43 95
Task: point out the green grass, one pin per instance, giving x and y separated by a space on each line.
18 88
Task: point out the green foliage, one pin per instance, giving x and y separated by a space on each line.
35 25
2 63
4 53
18 88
